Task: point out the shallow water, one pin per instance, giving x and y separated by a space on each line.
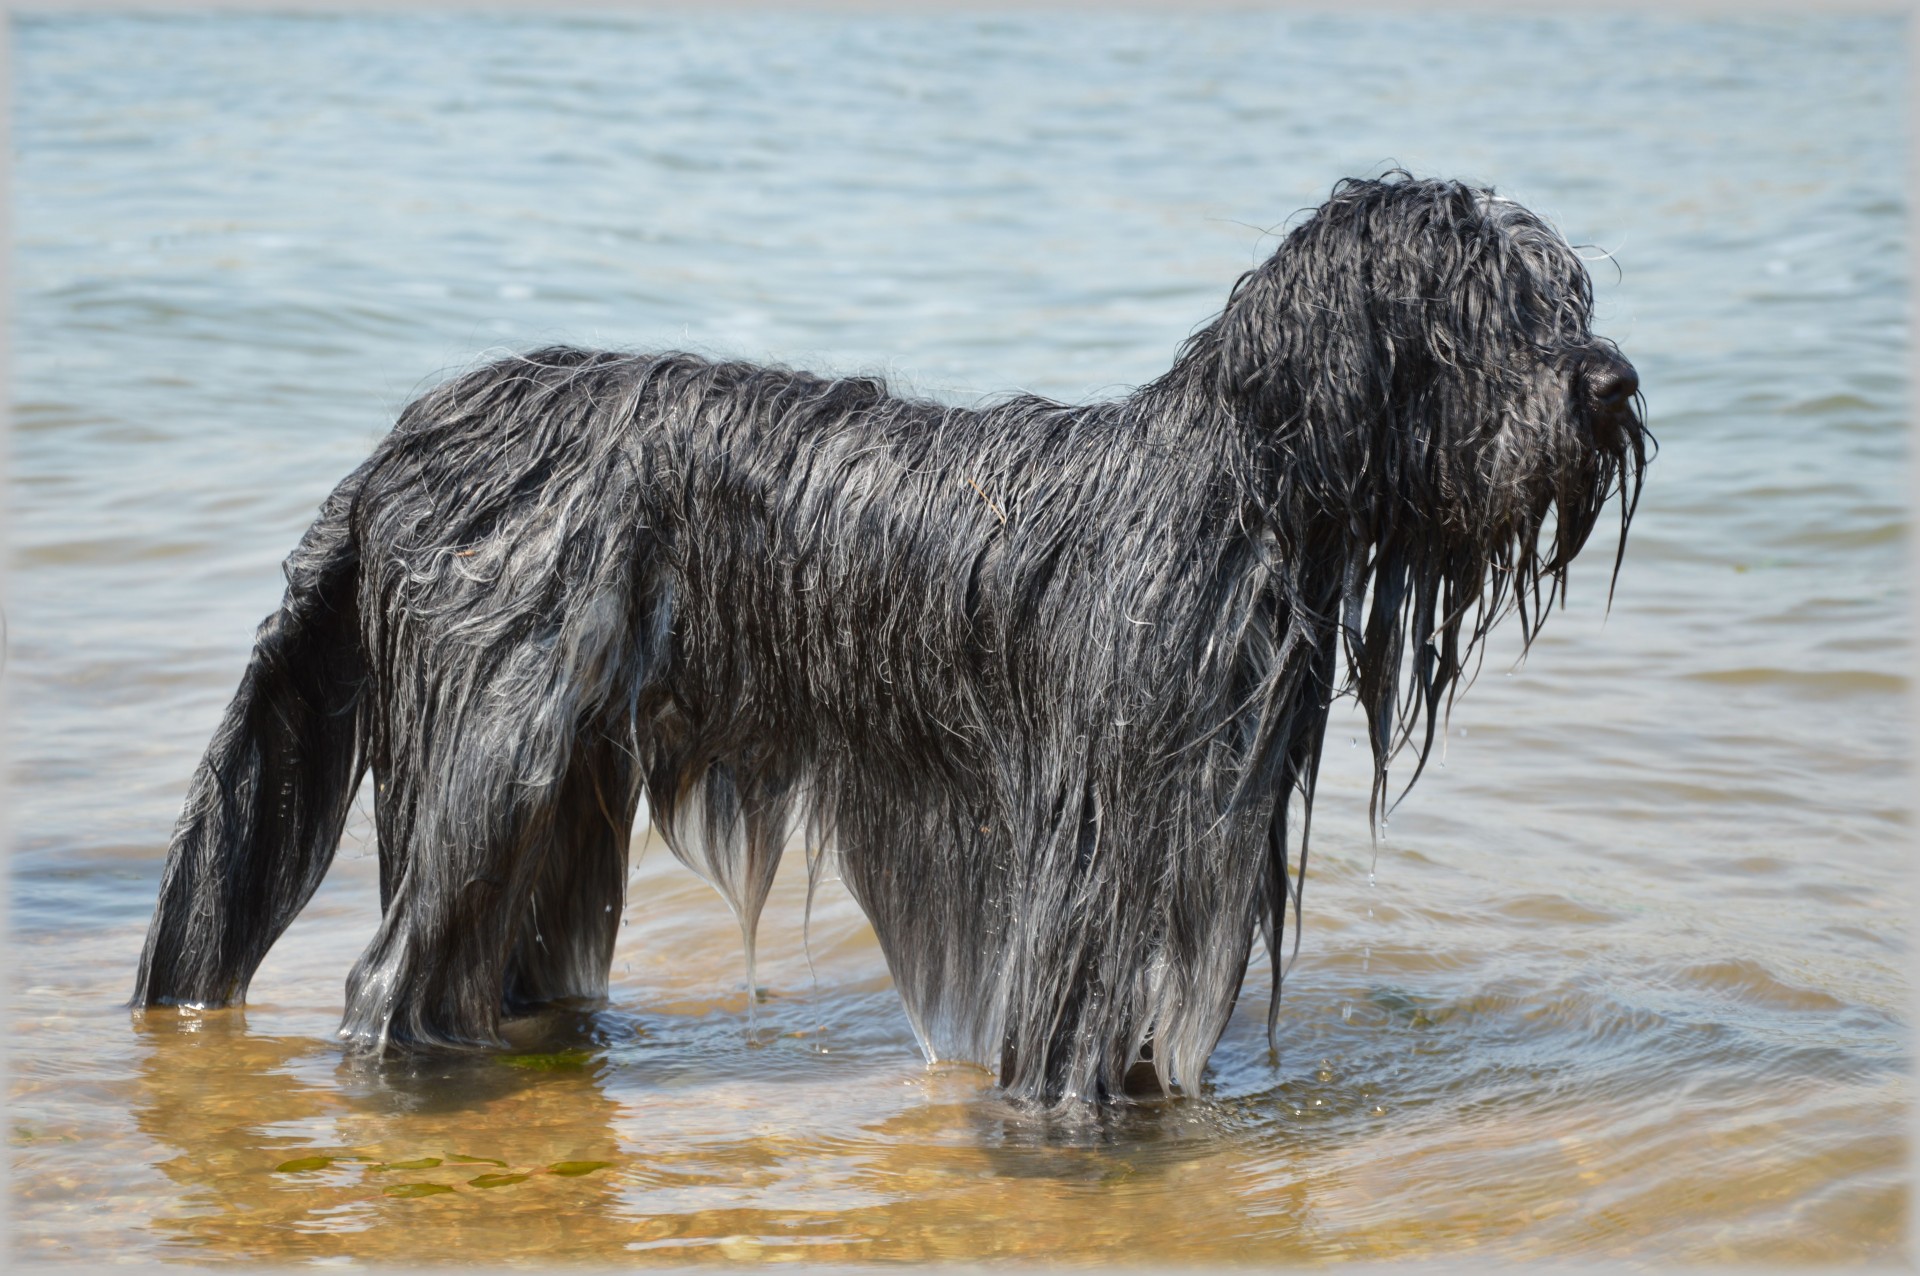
1627 976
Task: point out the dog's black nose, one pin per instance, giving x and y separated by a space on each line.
1612 383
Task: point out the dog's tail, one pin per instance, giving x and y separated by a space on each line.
264 812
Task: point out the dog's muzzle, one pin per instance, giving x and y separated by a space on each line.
1610 384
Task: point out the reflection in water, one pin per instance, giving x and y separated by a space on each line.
285 1150
281 1149
669 1136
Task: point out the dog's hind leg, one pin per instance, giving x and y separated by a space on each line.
503 814
565 943
462 844
465 827
264 813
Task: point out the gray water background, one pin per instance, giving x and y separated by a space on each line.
1682 828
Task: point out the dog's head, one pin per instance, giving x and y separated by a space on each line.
1419 361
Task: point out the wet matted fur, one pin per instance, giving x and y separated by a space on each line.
1044 678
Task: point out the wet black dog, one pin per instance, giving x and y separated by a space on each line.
1042 677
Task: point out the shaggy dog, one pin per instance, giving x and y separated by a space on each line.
1044 679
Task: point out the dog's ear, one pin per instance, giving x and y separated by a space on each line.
1297 340
1247 339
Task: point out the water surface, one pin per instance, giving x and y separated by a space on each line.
1627 976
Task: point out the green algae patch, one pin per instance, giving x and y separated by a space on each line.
407 1191
573 1169
557 1061
498 1180
302 1164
